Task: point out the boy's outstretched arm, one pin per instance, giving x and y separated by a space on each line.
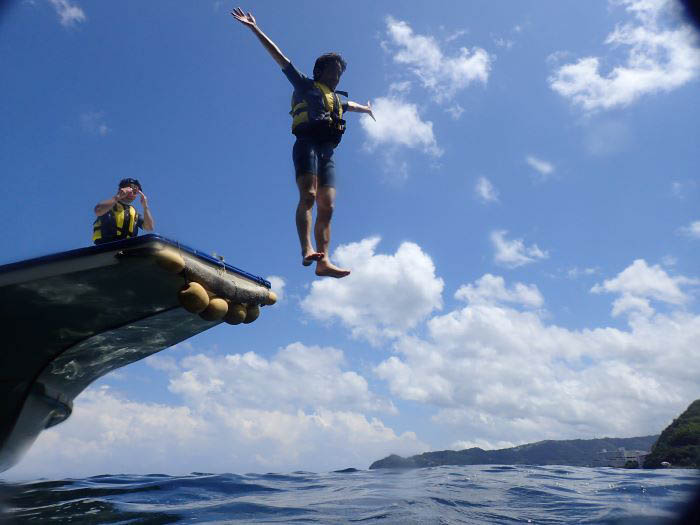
247 19
359 108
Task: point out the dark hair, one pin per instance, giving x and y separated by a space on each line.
325 60
128 181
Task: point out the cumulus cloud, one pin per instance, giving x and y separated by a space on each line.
496 371
298 376
632 304
500 375
486 191
107 429
383 297
514 253
278 283
69 14
639 282
692 230
491 289
443 75
399 124
659 58
301 409
542 167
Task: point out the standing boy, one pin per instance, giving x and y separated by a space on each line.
117 219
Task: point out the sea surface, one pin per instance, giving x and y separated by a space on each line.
470 494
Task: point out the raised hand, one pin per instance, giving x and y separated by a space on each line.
144 200
244 18
369 111
123 193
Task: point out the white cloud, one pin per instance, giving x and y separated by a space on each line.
640 282
485 190
278 285
301 409
542 167
107 430
503 376
399 124
503 42
69 14
514 253
576 272
384 296
669 260
456 35
298 376
633 305
400 88
444 76
495 370
491 289
659 59
692 230
682 189
556 57
455 111
161 361
480 443
395 168
94 123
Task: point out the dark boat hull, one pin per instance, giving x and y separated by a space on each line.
71 318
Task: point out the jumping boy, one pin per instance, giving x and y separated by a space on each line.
318 126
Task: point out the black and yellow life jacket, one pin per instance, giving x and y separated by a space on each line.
318 113
121 222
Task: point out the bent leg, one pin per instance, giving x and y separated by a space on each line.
325 202
307 184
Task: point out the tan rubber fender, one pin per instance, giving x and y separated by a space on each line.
216 310
253 313
170 260
271 298
193 298
236 314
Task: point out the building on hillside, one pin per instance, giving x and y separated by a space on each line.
622 457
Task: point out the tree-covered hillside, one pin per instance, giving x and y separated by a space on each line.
679 444
574 452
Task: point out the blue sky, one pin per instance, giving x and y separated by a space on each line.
521 221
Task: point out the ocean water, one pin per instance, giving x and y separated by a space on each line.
470 494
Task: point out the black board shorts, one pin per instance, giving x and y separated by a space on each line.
315 157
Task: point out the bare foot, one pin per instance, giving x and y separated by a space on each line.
311 257
325 268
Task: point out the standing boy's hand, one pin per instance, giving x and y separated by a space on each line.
123 193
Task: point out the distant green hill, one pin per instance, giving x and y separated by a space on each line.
679 444
574 452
